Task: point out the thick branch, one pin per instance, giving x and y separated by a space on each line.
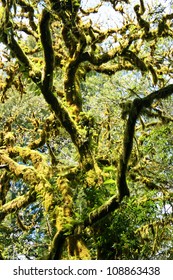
17 204
28 173
93 217
99 213
103 58
57 245
21 56
134 60
110 70
34 178
48 50
71 82
156 95
136 108
16 49
38 160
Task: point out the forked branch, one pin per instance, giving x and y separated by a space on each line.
136 109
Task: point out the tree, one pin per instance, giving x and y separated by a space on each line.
71 150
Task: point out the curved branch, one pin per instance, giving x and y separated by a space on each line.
17 204
134 60
136 108
111 70
99 213
103 58
16 49
29 174
48 50
11 43
57 245
37 159
59 109
93 217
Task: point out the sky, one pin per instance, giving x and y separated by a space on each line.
106 16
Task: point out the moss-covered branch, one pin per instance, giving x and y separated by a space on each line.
17 203
99 213
71 81
134 60
102 58
38 160
93 217
17 50
111 70
9 40
67 12
26 29
162 93
136 109
31 176
57 245
4 186
27 173
48 51
27 8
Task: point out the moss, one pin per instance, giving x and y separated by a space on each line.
32 176
38 160
9 139
48 201
77 249
91 178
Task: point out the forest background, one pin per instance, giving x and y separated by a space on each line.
86 127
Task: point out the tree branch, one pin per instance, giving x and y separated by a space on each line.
99 213
10 42
35 178
103 58
26 7
17 203
93 217
136 108
57 245
48 51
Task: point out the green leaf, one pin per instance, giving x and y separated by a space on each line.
109 168
109 181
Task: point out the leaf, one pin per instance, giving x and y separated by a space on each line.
109 181
109 168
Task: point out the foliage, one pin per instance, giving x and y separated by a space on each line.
86 130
